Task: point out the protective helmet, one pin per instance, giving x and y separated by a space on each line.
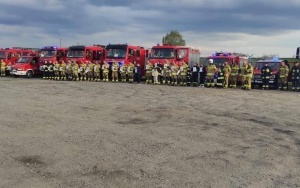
211 61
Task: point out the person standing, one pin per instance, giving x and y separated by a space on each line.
283 73
166 73
233 75
56 70
202 74
211 70
105 70
63 70
155 75
97 72
174 70
195 72
45 70
249 74
227 72
130 72
296 77
220 76
149 68
123 72
243 74
266 73
138 73
115 71
183 73
3 67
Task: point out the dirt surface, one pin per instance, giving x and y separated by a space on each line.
75 134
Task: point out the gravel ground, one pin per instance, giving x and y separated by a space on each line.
75 134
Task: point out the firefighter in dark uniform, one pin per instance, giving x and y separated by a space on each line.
167 73
283 73
295 77
188 76
220 76
195 74
51 70
266 73
202 74
45 70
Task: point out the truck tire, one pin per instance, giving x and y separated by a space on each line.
29 74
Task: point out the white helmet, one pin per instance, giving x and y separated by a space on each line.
211 61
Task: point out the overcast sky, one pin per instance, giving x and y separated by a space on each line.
258 27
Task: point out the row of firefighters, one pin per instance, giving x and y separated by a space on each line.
169 73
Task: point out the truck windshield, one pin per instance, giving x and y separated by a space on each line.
116 53
2 54
48 53
273 65
163 53
23 60
217 61
75 53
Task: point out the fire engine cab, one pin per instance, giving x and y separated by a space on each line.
219 58
124 53
52 53
26 66
11 55
177 54
273 62
83 54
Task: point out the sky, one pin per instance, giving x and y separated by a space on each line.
253 27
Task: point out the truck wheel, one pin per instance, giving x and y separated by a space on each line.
29 74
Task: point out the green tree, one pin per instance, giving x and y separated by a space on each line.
173 38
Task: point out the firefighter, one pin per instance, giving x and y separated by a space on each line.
130 72
188 77
115 71
105 70
83 75
69 70
56 70
51 70
283 73
3 67
233 75
202 74
266 73
243 75
123 72
227 72
149 69
62 70
45 70
166 72
220 76
211 69
296 77
249 74
90 72
195 74
174 73
97 72
183 73
75 68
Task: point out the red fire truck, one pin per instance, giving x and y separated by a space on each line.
86 53
124 53
52 53
176 54
26 66
219 58
11 55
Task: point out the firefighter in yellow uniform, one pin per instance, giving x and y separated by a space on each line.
233 75
69 70
210 73
149 69
283 72
3 68
166 72
105 70
249 74
123 71
75 71
90 71
97 72
115 71
227 72
62 70
174 73
83 71
243 75
56 70
130 73
183 73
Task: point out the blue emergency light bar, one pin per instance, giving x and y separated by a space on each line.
49 48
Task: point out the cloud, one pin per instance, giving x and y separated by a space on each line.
245 25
